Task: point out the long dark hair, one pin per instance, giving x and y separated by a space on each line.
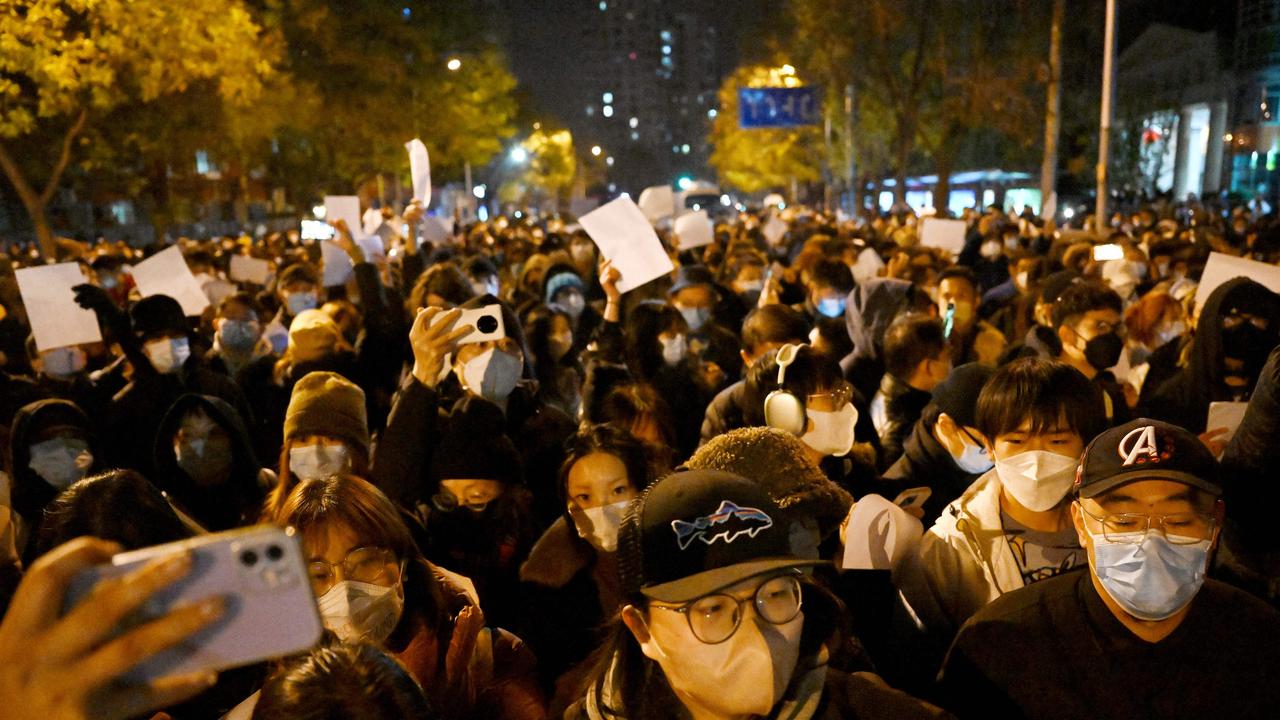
609 440
645 323
640 689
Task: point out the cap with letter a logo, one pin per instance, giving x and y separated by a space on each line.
1146 450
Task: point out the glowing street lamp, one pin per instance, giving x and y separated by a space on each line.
453 64
519 155
595 150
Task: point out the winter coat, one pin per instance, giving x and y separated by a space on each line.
870 310
895 410
925 463
239 501
724 412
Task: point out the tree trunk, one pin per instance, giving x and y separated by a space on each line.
943 164
36 202
1049 164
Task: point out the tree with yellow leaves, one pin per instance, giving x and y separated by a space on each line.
758 159
550 169
63 62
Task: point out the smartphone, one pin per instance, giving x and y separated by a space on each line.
259 571
912 497
487 322
1108 252
316 230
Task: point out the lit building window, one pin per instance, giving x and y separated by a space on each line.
634 122
712 113
607 111
607 97
603 6
685 148
666 49
591 110
635 135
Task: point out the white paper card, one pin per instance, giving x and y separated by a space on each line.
694 230
433 230
420 171
250 269
867 266
373 246
624 236
166 273
879 535
657 202
343 207
941 233
1226 415
1221 268
56 320
371 221
337 264
774 229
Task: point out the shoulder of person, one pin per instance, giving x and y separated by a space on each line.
867 697
1025 606
1229 601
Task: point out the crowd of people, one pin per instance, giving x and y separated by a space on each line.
828 472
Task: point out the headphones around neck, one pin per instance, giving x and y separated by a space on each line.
782 409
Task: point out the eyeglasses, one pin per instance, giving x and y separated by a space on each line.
364 564
831 400
1178 528
715 618
1237 318
1102 327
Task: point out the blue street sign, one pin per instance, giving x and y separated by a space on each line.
779 107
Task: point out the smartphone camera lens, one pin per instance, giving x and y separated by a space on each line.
487 324
274 552
249 558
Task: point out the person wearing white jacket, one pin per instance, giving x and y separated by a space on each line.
1011 527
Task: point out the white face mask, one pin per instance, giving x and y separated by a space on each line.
167 355
599 525
745 675
1037 479
1021 279
359 611
991 249
832 432
61 461
492 374
673 350
314 462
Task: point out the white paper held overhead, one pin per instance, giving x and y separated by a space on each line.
419 171
1221 268
56 320
166 273
1226 416
343 207
944 234
694 230
337 264
774 229
657 202
624 236
250 269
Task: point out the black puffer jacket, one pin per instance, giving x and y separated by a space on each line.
901 405
925 463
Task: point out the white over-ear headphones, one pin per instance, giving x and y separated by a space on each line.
782 409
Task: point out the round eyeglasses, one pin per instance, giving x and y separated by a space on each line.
1177 528
714 619
364 564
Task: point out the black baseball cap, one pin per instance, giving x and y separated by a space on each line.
1146 449
695 532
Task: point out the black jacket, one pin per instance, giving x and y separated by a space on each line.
925 463
724 412
902 407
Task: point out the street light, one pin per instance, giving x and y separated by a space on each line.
519 155
595 150
453 64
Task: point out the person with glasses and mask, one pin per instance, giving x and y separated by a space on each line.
374 586
720 619
1143 633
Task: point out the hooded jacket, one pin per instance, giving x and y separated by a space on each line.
870 310
1184 399
925 462
29 493
237 502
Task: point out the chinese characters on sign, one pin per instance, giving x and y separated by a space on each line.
779 107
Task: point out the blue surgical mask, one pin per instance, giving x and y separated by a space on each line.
238 335
831 307
974 459
1152 579
696 317
299 301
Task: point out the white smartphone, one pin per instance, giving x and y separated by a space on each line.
259 571
912 497
316 230
487 322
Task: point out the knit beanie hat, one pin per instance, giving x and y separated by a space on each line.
325 403
156 315
474 445
312 335
559 281
776 460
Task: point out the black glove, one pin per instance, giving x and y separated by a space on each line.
92 297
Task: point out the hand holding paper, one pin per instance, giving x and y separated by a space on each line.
166 273
625 237
56 320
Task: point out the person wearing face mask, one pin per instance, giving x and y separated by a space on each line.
207 464
238 339
1088 322
1009 306
800 391
326 432
479 520
569 583
445 373
555 363
566 292
372 585
970 339
297 289
52 445
1235 330
1012 527
165 367
723 624
916 359
696 296
945 451
1130 637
